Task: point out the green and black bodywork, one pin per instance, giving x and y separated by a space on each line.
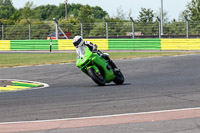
98 68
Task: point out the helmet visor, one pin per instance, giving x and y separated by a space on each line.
77 42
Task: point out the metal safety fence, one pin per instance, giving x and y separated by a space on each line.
106 29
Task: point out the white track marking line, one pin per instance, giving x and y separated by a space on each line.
106 116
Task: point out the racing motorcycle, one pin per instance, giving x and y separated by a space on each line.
97 68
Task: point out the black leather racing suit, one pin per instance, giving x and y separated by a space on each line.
91 46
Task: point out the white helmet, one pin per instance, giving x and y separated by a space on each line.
78 41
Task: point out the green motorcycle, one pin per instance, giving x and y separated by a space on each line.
97 68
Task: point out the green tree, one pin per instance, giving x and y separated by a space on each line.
16 16
6 9
98 30
86 14
27 11
193 10
8 2
1 3
118 27
47 12
99 13
73 9
146 15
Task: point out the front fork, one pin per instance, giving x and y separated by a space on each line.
96 69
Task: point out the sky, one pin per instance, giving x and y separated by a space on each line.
173 7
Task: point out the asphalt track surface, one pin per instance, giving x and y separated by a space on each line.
151 84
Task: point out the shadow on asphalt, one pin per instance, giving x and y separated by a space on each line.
112 84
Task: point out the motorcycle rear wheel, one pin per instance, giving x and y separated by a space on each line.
119 78
96 77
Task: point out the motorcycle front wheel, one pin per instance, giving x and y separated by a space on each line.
96 77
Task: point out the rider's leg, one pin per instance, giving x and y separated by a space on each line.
113 65
106 57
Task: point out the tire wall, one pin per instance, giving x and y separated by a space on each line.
103 44
32 45
134 44
4 45
180 44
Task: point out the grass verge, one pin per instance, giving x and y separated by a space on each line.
29 59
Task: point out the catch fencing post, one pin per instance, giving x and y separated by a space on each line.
133 27
159 26
107 36
56 26
2 30
187 27
29 29
50 44
81 27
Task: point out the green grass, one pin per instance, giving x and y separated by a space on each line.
29 59
130 55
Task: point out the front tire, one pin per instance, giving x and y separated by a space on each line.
119 78
96 77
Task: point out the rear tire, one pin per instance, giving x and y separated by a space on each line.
119 78
96 77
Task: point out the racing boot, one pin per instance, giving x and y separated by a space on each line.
115 69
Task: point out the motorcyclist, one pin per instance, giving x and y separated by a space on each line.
79 42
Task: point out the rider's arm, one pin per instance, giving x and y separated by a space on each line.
92 47
78 53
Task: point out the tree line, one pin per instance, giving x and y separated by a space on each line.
10 15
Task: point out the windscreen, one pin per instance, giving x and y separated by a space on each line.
80 51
